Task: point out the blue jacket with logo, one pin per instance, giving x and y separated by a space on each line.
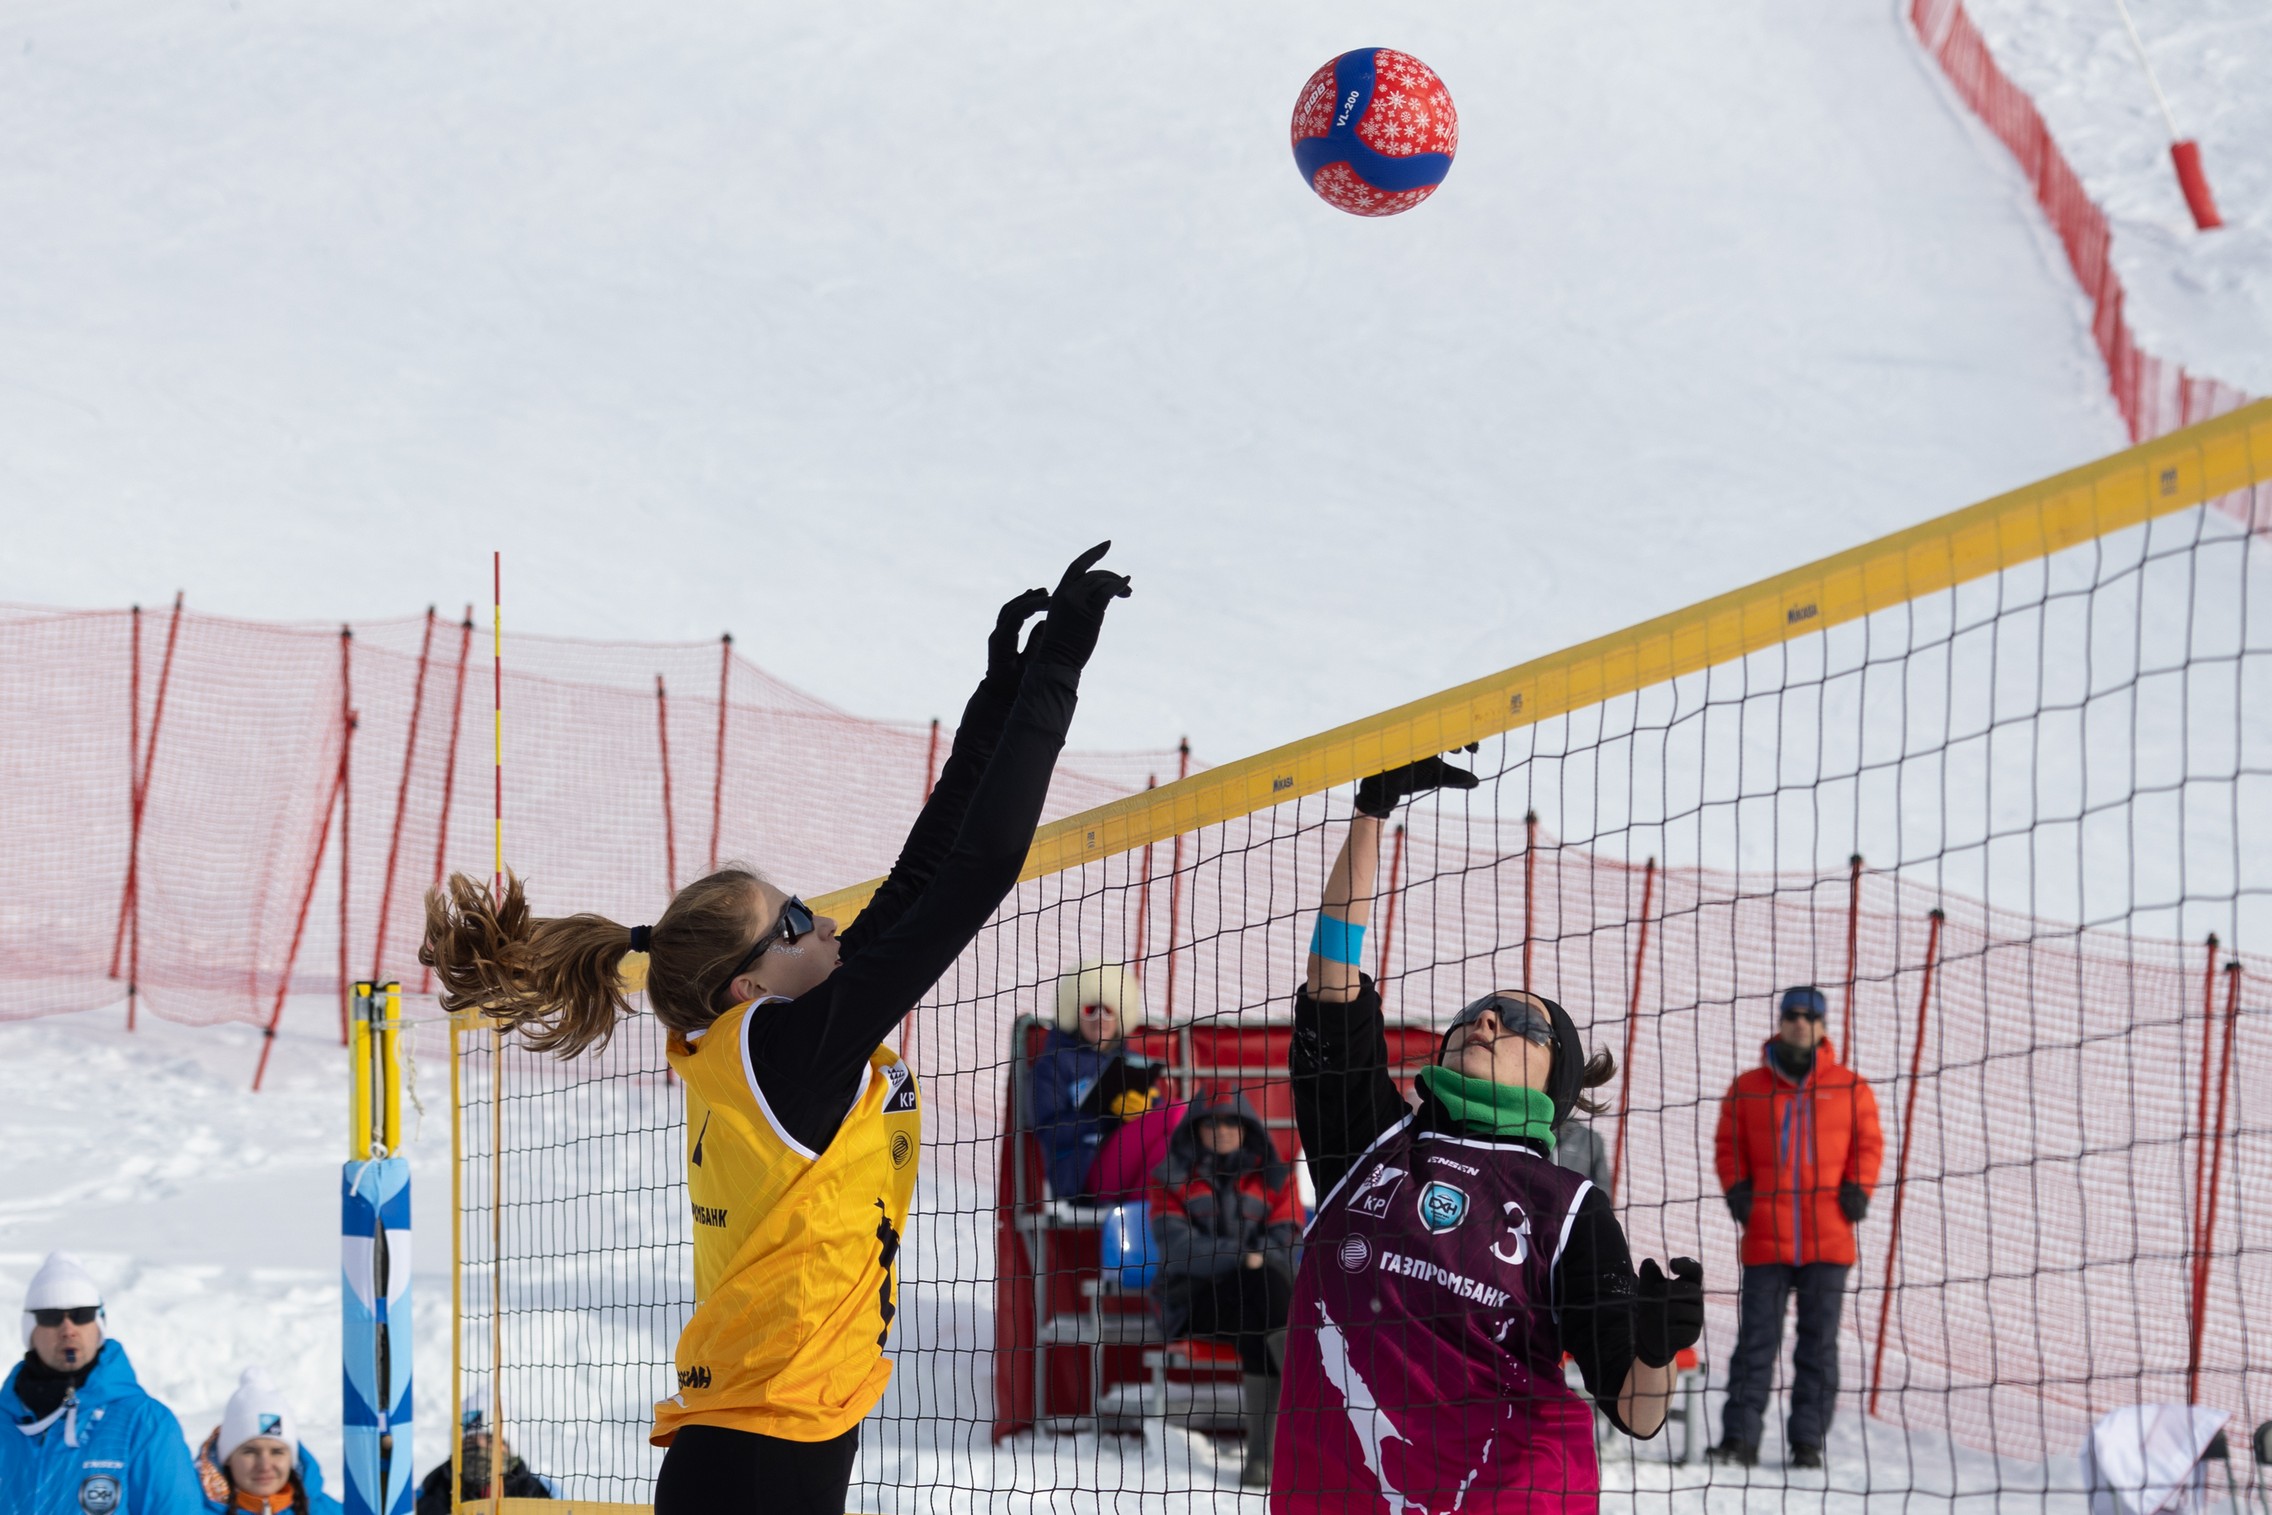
111 1450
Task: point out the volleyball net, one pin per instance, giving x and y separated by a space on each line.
2000 786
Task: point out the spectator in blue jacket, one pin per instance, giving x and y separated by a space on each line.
1098 1004
254 1464
82 1438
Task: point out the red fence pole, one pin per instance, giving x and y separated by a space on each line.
133 789
718 773
128 937
300 921
1853 948
1388 911
401 800
2205 1248
2208 1047
346 795
1901 1166
1144 893
450 773
1632 1028
931 762
670 825
1175 880
1530 877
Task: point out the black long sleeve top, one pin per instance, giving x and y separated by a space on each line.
1344 1100
960 861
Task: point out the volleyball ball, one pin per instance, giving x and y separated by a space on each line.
1374 132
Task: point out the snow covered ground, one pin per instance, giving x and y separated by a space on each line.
2203 299
824 328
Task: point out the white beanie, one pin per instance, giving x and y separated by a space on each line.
1098 983
257 1409
62 1283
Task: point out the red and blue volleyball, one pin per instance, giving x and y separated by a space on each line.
1375 131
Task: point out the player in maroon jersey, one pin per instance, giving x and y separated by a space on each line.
1452 1264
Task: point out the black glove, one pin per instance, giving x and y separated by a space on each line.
1076 610
1380 794
1668 1313
1852 1202
1003 660
1739 1202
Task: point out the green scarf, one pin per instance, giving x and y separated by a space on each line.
1483 1108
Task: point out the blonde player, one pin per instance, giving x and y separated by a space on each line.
802 1127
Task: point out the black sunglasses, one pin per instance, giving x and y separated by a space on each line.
795 924
1795 1012
78 1315
1520 1017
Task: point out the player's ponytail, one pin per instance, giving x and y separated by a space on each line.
558 981
1599 1070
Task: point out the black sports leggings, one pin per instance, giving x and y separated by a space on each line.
710 1469
1243 1306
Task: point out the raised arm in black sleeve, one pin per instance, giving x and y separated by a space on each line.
1593 1296
810 1054
933 835
1344 1096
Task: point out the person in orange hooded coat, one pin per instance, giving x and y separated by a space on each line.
1799 1149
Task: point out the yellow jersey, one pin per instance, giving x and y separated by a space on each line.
795 1251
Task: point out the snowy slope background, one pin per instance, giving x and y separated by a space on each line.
824 326
2203 299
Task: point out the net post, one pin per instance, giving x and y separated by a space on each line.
129 932
2201 1107
496 1251
2205 1248
670 825
1853 948
718 769
1175 879
1901 1165
497 716
1530 894
450 774
299 924
402 795
931 762
1388 911
1144 894
1632 1029
374 1227
346 806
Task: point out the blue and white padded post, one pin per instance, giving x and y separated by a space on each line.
374 1264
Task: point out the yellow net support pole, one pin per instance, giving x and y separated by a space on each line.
360 1101
457 1268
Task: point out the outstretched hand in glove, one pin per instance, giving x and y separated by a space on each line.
1379 795
1668 1313
1004 661
1076 610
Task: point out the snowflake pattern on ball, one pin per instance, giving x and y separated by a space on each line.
1338 185
1410 112
1313 110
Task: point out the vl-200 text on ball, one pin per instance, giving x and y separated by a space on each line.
1375 131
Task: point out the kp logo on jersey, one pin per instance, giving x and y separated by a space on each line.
1442 1206
1377 1190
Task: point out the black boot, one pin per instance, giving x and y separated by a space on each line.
1742 1453
1261 1406
1804 1456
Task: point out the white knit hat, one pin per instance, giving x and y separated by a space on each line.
62 1283
257 1409
1098 983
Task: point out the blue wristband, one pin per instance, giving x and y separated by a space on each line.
1337 941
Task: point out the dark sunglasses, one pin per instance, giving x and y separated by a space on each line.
1520 1017
78 1315
795 924
1794 1013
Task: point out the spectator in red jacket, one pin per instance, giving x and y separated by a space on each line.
1799 1149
